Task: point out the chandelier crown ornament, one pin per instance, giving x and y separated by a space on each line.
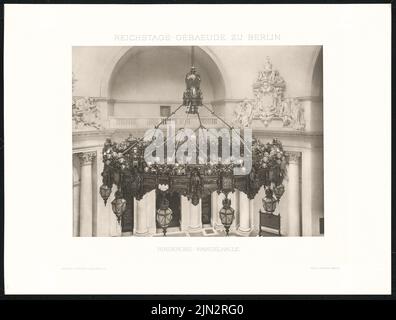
192 96
269 80
193 79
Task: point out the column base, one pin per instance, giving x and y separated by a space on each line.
244 232
218 227
142 234
195 229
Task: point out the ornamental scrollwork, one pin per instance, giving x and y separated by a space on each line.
270 103
85 114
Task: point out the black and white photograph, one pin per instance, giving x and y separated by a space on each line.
159 130
197 151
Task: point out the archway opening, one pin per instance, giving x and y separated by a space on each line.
146 79
317 76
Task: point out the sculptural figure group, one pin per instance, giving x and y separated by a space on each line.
270 103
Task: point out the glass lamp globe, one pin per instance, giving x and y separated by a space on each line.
164 215
279 190
269 201
105 192
118 205
226 214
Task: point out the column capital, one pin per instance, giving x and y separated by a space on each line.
294 156
86 158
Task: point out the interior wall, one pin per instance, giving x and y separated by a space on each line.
239 67
142 83
157 74
317 76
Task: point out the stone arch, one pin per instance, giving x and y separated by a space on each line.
315 73
124 53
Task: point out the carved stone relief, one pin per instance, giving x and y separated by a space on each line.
85 114
269 102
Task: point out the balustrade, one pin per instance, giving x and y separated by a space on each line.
150 122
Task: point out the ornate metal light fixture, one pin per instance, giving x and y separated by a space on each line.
192 96
105 192
269 201
279 190
118 205
125 167
227 214
164 214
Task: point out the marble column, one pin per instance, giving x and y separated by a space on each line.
196 216
220 198
306 201
215 210
317 205
104 214
234 197
76 204
115 226
251 208
185 213
244 214
151 212
86 204
141 216
294 212
257 203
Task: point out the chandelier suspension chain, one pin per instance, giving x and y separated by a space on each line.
183 129
166 139
166 119
228 125
200 122
185 122
201 126
156 127
192 56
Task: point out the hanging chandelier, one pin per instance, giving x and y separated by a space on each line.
127 168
